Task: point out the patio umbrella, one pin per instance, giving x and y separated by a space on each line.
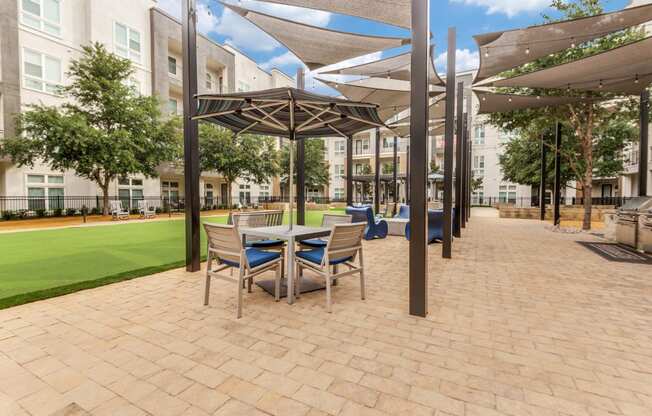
288 112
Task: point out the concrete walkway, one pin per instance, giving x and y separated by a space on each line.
522 322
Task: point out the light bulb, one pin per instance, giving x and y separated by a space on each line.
484 98
572 42
527 51
636 79
486 53
601 84
510 99
538 97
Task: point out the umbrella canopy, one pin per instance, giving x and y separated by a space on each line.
491 102
397 67
623 70
393 12
315 46
279 111
500 51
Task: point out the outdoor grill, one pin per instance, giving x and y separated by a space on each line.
634 223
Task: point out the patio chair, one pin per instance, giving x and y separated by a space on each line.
435 226
117 211
343 248
256 220
376 228
225 248
403 212
327 221
145 210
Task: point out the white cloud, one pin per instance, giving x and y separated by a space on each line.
464 60
296 14
509 7
242 34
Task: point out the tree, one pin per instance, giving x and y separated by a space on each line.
104 132
594 133
247 157
315 167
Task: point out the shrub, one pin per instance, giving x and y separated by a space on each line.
8 215
158 210
40 212
57 212
95 211
71 211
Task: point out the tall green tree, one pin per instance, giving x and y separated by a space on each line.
315 166
247 157
106 130
594 133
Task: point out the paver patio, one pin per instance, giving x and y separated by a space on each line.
522 321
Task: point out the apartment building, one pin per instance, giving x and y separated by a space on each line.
40 38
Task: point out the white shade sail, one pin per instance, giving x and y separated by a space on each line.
500 51
490 102
436 110
623 70
397 67
374 90
317 47
393 12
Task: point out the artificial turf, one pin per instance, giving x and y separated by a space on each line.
37 265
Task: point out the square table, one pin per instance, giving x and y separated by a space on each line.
283 232
396 226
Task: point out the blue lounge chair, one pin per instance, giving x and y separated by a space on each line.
376 228
403 212
435 226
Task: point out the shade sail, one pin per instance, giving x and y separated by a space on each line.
315 46
393 12
435 128
397 67
500 51
623 70
491 102
436 110
275 112
373 90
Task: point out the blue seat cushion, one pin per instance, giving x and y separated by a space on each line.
316 255
315 242
265 243
255 257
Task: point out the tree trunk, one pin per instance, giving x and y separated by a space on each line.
105 198
229 196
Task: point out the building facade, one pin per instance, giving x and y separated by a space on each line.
40 38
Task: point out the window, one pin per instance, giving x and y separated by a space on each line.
245 194
478 166
478 198
127 42
45 192
264 191
41 72
478 134
507 194
361 147
388 143
209 81
130 191
170 192
340 148
172 65
173 107
43 15
339 194
339 171
220 84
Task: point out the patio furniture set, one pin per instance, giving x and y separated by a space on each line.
257 242
118 212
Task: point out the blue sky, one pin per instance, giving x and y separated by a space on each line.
468 16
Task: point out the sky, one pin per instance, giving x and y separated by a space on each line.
469 17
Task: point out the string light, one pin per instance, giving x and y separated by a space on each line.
601 84
538 97
572 42
486 52
509 99
636 79
527 50
484 98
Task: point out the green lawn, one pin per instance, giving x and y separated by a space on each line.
40 264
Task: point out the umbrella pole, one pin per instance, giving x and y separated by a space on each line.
291 181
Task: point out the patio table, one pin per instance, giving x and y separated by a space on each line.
283 232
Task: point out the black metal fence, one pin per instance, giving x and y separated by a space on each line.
13 207
494 201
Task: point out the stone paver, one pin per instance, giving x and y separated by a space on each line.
522 322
